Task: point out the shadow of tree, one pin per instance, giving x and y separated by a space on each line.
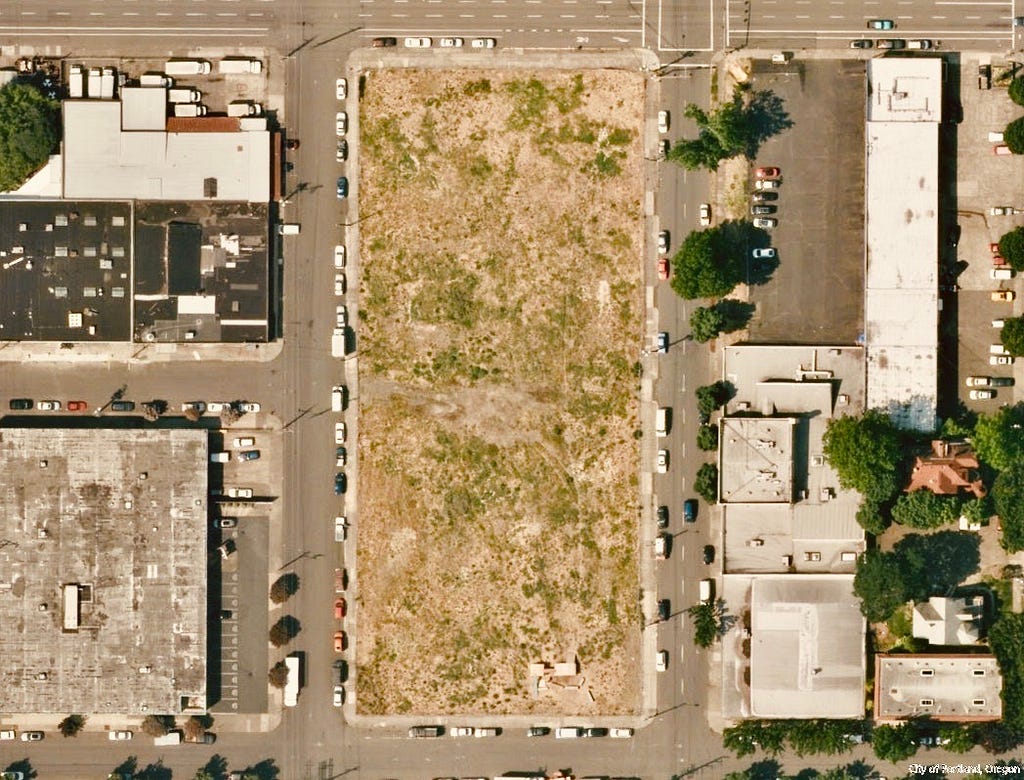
937 562
127 767
264 770
217 766
24 766
766 117
155 771
769 769
736 313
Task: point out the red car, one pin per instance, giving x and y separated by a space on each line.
339 641
767 173
663 268
339 609
77 406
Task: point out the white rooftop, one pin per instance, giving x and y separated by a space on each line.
102 160
901 213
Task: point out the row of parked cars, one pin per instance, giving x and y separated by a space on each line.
561 732
421 42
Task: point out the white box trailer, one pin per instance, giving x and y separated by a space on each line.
95 80
155 80
170 738
187 67
239 65
76 82
291 686
184 95
107 84
189 109
661 421
244 108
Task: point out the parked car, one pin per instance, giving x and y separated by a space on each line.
662 515
484 43
21 404
341 154
225 522
340 456
340 483
340 123
759 209
451 43
31 736
339 609
768 172
426 731
1000 360
1001 211
891 43
340 528
661 661
1003 295
662 461
620 733
239 492
48 406
595 732
763 197
227 549
382 42
486 732
418 43
1001 273
767 184
122 406
664 609
984 77
663 268
768 253
339 641
342 189
765 223
339 433
998 323
690 510
663 241
341 316
662 343
861 43
243 441
339 284
1002 381
339 256
77 406
881 24
662 546
978 381
338 697
1001 149
709 554
249 406
705 214
341 88
538 731
7 734
982 395
919 44
119 736
664 120
249 455
663 147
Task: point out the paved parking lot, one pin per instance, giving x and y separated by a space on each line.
983 180
817 292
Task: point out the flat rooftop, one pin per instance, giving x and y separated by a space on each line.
111 525
757 459
902 226
807 655
963 687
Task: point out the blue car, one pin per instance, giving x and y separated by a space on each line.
342 188
690 510
340 483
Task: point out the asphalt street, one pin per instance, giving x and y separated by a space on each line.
311 40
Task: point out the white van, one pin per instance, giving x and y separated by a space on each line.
187 67
189 109
1002 273
220 457
170 738
239 65
568 732
337 398
155 80
707 591
184 95
289 229
244 108
661 421
998 349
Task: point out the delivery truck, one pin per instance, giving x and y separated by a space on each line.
291 686
184 95
239 65
76 82
189 109
244 108
661 420
338 343
170 738
107 84
95 78
155 80
186 67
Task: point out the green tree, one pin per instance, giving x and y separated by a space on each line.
749 735
204 774
829 737
702 269
1013 136
1006 638
707 437
1008 495
705 619
936 562
29 133
997 736
871 516
880 584
866 454
1011 248
894 743
997 437
278 675
157 725
71 725
960 738
284 587
706 323
1012 335
924 509
194 728
711 397
706 483
1016 91
284 630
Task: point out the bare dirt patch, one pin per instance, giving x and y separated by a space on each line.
499 324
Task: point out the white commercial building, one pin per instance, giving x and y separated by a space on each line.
902 225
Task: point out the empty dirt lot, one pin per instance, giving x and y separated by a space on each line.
499 324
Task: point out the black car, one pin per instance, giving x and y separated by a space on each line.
340 671
662 517
954 235
984 77
764 197
664 609
862 43
342 149
342 188
690 510
379 42
340 484
709 554
22 404
122 406
1001 381
761 210
538 731
595 732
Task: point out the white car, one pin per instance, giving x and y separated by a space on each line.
339 696
341 316
705 214
339 256
48 406
249 406
451 43
244 441
998 323
620 733
768 253
1002 211
31 736
982 395
216 407
225 522
767 184
341 123
1000 360
978 381
661 661
662 343
417 43
461 731
1001 273
339 433
339 284
341 88
662 461
7 734
663 241
484 43
119 736
765 223
237 492
664 119
198 406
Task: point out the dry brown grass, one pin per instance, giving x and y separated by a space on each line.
499 325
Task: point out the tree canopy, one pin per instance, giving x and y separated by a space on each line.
880 584
706 482
1013 136
736 127
923 509
71 725
997 437
1011 248
866 454
711 397
702 269
29 132
1006 638
706 323
894 743
1012 335
1008 496
284 587
705 623
1016 91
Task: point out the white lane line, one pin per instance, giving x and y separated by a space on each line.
567 16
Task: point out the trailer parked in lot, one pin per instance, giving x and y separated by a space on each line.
76 82
239 65
187 67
